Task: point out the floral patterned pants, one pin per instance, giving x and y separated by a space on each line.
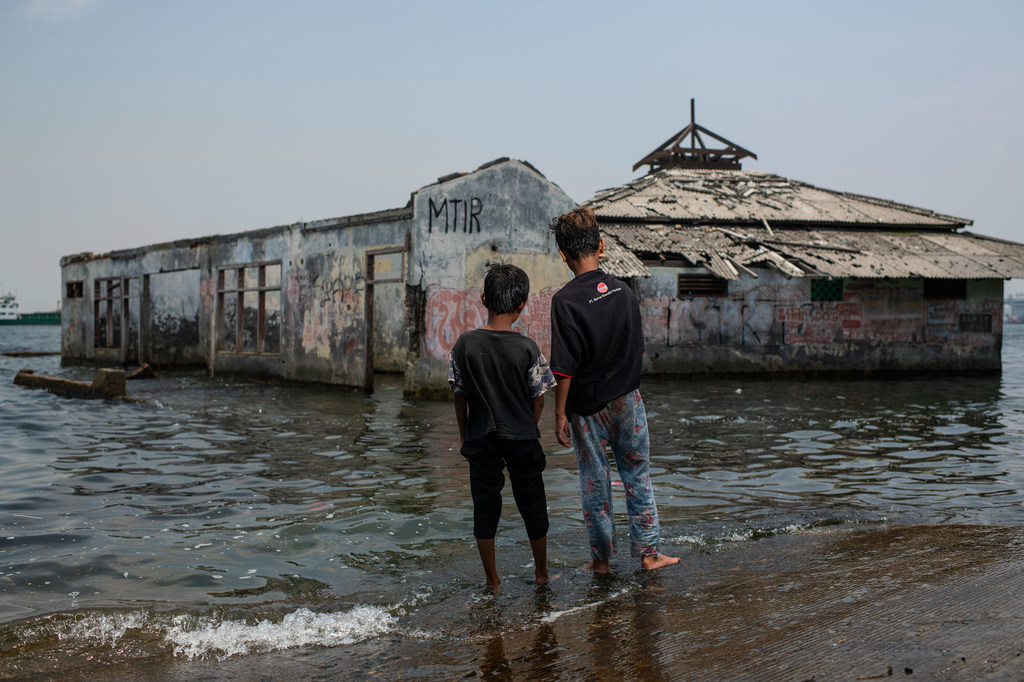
622 424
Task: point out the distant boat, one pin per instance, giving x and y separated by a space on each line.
9 313
1013 310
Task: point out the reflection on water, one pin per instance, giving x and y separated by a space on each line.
214 513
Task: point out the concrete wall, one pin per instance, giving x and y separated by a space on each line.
459 227
769 324
140 329
317 309
172 332
326 298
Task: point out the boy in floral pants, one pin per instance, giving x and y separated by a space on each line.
597 351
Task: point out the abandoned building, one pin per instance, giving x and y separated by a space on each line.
744 271
327 301
736 272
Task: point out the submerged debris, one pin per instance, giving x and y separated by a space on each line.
107 383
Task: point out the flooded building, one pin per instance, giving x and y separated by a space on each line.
742 271
736 271
328 301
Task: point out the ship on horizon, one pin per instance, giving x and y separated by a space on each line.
9 313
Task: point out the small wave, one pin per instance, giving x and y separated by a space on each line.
206 637
701 542
552 616
754 533
192 636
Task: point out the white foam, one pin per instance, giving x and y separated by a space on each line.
300 628
200 637
552 616
101 629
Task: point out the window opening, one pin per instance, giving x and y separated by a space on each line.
108 298
699 286
826 290
955 289
249 309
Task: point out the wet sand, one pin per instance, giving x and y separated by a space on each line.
902 602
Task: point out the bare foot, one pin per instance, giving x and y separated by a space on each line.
656 561
601 567
545 579
494 588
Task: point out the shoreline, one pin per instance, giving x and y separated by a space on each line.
914 602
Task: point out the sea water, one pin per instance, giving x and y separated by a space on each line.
216 519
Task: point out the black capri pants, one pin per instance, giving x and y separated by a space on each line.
488 457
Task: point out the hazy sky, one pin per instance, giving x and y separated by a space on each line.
128 123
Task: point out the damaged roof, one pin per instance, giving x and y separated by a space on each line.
730 221
806 252
701 195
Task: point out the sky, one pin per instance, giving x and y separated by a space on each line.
128 123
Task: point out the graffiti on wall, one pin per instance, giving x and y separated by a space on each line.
749 320
774 314
450 312
535 321
822 322
455 214
331 314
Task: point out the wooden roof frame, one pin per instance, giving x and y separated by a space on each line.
673 154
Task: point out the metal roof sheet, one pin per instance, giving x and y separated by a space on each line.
620 261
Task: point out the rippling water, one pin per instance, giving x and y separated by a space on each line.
209 519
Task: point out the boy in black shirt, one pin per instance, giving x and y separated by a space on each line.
499 377
597 346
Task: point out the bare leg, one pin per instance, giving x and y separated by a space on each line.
539 547
486 549
655 561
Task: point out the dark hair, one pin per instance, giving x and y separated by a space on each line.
577 233
506 287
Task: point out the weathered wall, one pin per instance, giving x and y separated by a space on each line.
325 284
140 334
769 324
172 323
75 313
459 227
319 302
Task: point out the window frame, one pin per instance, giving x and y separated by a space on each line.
244 284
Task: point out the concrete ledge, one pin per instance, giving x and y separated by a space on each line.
106 384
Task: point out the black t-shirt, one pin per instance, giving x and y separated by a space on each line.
500 373
597 340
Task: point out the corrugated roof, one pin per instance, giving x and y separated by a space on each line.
728 251
739 196
621 262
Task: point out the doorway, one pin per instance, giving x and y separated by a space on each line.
386 332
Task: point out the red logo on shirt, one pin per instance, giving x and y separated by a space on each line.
602 287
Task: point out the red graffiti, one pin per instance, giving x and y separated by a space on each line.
535 321
451 312
819 323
